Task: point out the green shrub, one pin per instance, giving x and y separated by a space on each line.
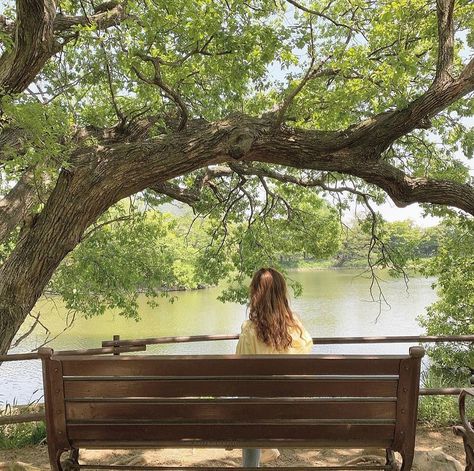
20 435
441 410
438 410
23 434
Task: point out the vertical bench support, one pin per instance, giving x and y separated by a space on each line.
54 408
116 344
407 406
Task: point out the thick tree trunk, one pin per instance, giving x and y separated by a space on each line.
15 207
52 235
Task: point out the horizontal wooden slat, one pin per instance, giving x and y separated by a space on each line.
258 388
22 418
267 443
155 365
229 432
246 423
226 411
236 378
261 400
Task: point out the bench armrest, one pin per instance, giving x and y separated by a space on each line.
466 430
462 409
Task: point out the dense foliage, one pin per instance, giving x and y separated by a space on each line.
402 242
453 313
131 251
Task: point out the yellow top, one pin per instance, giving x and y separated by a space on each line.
250 344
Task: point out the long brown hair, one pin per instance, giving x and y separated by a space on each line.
270 310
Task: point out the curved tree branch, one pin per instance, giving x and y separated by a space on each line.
445 10
184 195
304 149
36 33
253 139
157 80
34 45
386 127
319 14
111 14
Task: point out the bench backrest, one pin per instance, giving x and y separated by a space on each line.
237 401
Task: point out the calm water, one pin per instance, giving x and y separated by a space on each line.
334 303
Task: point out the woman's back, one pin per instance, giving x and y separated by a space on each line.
272 327
250 344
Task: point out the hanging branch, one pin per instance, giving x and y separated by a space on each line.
320 15
157 80
122 118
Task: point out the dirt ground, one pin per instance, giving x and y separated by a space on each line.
427 439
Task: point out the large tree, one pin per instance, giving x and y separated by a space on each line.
99 102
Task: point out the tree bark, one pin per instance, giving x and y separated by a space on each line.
35 40
34 45
17 204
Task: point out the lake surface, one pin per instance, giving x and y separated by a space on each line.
334 303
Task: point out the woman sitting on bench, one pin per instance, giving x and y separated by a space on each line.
272 328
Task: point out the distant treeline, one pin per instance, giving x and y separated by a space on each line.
404 241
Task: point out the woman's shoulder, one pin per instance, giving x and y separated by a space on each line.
247 326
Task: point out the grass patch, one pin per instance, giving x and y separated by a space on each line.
23 434
20 435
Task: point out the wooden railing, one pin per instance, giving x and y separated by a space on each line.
88 351
316 340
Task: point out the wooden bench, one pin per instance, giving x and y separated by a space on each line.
306 401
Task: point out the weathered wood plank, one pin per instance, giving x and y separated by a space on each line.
257 388
226 411
154 433
208 365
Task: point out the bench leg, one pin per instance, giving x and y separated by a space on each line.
72 462
466 430
391 459
407 459
55 458
468 446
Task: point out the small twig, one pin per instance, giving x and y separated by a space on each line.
118 112
69 324
319 14
99 226
29 331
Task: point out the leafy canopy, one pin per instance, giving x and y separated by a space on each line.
238 56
